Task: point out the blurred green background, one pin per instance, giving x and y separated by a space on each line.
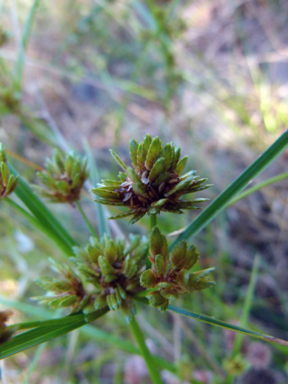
209 75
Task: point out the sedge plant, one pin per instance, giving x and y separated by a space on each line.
112 274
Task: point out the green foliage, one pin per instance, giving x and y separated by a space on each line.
64 178
171 277
154 184
8 182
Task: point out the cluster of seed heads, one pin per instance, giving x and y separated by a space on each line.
106 273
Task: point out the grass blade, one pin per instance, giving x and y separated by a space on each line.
138 334
21 53
45 333
231 327
236 187
85 218
49 323
40 211
90 331
259 186
94 176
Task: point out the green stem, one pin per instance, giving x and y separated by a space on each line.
256 187
89 225
247 305
230 379
153 221
34 362
138 334
37 224
21 53
95 178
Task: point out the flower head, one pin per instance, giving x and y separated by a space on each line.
154 183
107 273
8 182
64 177
170 274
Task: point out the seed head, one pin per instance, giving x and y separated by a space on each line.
107 273
9 100
64 177
8 182
154 183
170 274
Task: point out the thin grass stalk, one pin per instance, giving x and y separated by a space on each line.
138 334
19 67
87 221
34 362
94 176
231 327
259 186
247 304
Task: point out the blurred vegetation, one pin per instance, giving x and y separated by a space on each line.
212 77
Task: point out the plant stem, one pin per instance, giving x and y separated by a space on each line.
95 178
153 221
89 225
138 334
247 305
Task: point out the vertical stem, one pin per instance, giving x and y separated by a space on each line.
153 221
89 225
138 334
